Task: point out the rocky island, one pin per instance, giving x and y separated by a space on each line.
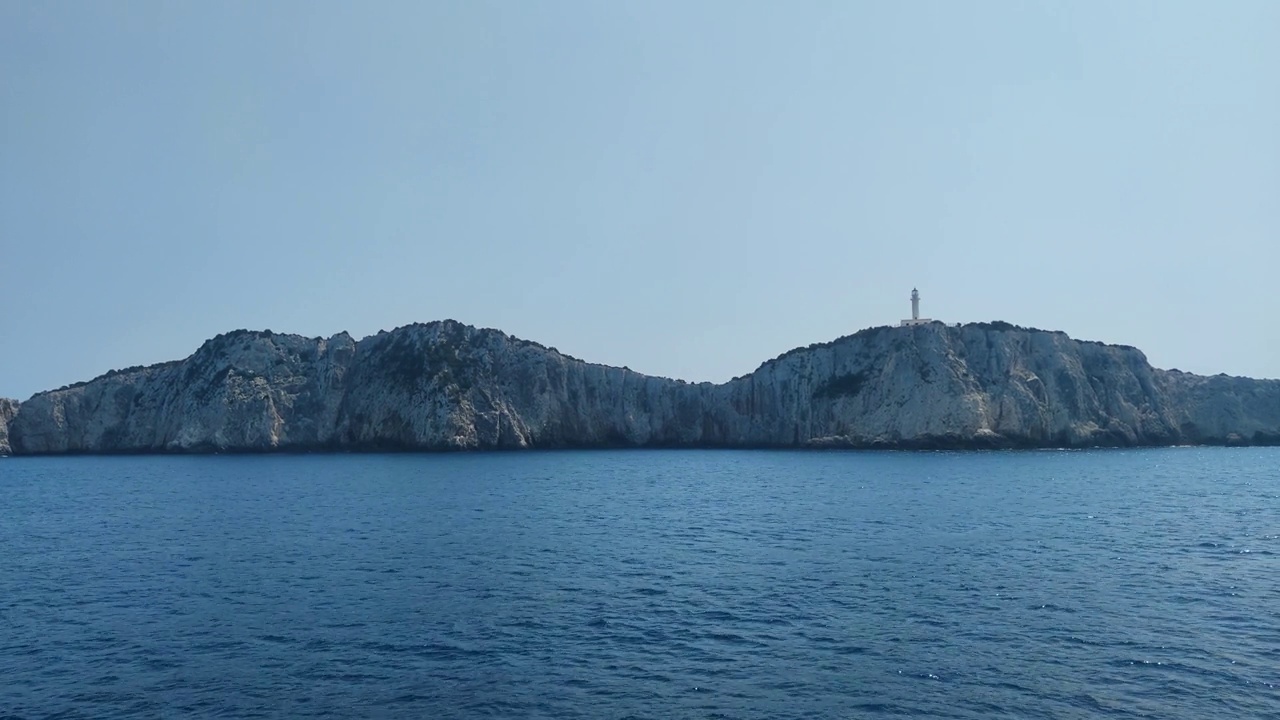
449 386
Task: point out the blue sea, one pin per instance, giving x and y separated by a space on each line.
643 584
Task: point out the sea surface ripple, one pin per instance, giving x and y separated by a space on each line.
643 584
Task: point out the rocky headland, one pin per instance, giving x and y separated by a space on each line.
449 386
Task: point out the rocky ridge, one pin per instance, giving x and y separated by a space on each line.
449 386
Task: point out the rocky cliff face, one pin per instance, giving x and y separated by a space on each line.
446 385
8 409
239 391
990 385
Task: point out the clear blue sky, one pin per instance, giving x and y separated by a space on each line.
686 188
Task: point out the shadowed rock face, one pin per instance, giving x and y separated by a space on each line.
445 385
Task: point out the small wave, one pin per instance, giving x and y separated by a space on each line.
1051 607
850 650
428 650
719 615
277 639
730 638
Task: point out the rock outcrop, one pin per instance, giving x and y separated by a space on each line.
445 385
8 409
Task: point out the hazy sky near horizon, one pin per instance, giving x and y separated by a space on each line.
686 188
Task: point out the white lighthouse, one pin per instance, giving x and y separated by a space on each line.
915 311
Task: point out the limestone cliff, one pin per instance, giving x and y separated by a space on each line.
445 385
8 409
239 391
991 384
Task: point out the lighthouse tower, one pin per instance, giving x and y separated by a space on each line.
915 311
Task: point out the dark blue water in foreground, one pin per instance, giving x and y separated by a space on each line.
643 584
